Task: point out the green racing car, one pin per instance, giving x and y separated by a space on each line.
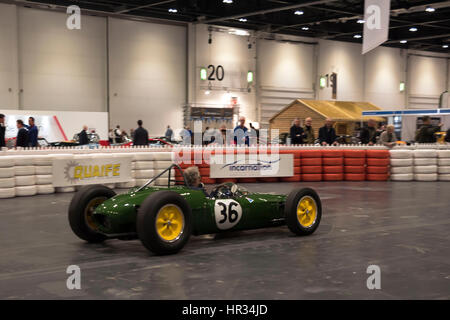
164 218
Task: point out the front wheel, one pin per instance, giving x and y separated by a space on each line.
303 211
81 211
164 222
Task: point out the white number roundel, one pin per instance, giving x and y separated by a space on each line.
228 213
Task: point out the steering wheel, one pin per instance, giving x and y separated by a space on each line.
224 191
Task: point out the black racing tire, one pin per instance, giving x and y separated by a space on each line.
292 202
146 222
78 215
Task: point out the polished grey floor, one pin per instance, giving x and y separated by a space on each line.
404 228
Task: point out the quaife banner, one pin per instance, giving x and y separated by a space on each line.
252 166
376 26
90 170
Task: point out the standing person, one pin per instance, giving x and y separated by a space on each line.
327 134
388 137
447 136
33 132
22 135
82 136
241 132
2 131
140 135
111 136
309 132
427 131
256 132
118 134
223 132
369 133
297 133
169 134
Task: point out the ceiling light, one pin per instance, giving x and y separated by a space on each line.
445 46
430 9
227 1
305 28
357 36
207 92
413 29
243 20
298 12
403 41
361 21
173 10
239 32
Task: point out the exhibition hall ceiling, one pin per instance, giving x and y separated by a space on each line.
415 24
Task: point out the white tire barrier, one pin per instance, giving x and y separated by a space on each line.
426 176
401 162
24 170
425 153
141 182
26 191
7 183
402 170
45 189
6 193
6 162
7 172
64 189
444 169
163 156
163 182
162 164
127 185
401 154
143 165
44 179
25 180
444 162
425 169
110 185
43 160
144 174
443 154
425 162
144 156
41 170
402 177
444 177
165 175
23 161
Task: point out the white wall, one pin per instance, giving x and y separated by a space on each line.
384 70
8 57
346 60
61 69
147 75
231 52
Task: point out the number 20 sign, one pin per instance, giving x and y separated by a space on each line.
228 213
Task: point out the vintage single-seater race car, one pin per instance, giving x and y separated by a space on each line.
164 218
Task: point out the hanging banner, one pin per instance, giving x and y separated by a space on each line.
376 26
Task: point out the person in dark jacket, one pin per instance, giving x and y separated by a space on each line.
296 132
140 135
22 135
32 133
2 131
369 133
82 137
427 131
309 137
327 134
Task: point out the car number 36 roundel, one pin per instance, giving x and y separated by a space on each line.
228 213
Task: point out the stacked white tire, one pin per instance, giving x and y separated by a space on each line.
25 176
7 178
44 175
443 165
402 165
425 165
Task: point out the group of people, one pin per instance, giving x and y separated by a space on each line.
27 135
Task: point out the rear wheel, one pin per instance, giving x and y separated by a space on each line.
303 211
81 211
164 222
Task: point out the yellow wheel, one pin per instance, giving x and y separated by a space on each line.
169 223
163 222
307 211
89 211
303 211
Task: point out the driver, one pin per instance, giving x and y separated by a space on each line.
194 179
